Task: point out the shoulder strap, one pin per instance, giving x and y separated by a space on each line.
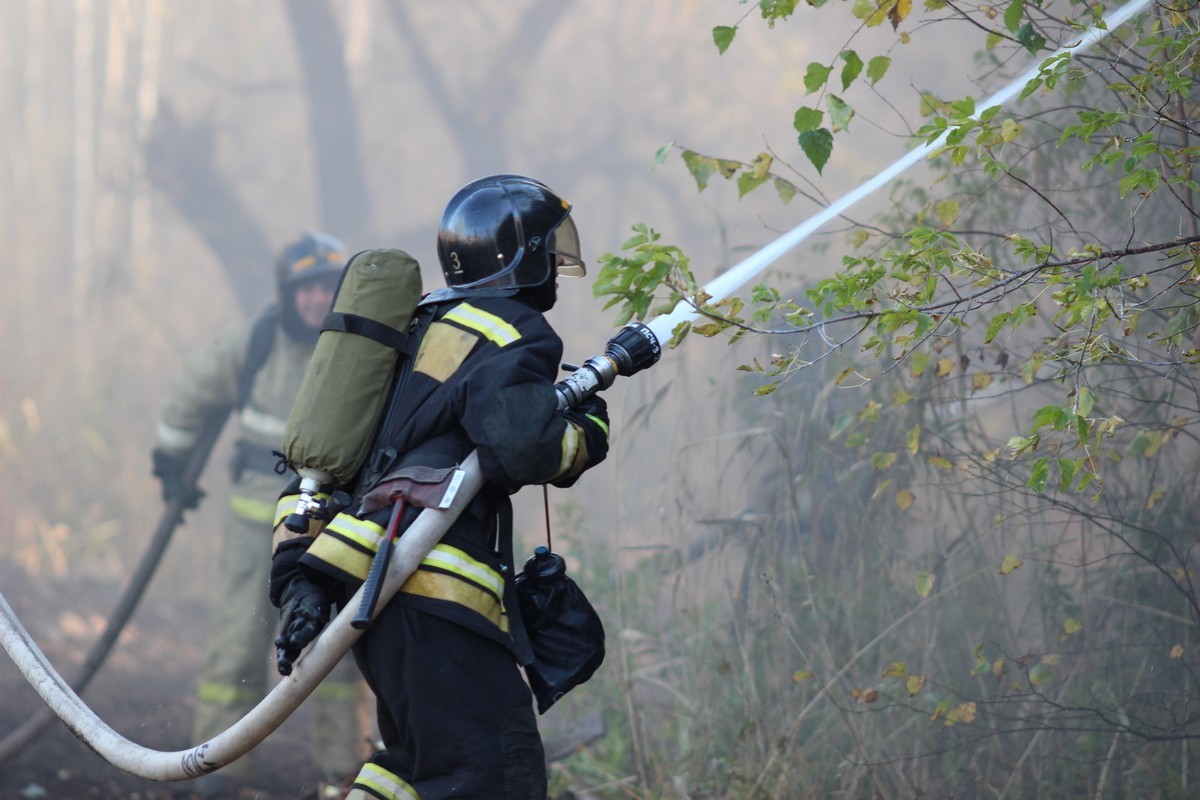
371 329
380 457
262 339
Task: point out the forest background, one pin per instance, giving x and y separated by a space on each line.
944 551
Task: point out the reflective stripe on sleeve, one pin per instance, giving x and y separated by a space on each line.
287 504
572 444
381 783
176 440
348 544
262 424
252 509
488 325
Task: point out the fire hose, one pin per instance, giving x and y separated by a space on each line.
172 515
635 347
264 718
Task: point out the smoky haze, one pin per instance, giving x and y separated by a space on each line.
157 154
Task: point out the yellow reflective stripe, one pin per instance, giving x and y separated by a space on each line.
385 784
570 448
451 589
333 690
287 504
360 531
336 553
252 509
603 425
226 694
454 560
485 324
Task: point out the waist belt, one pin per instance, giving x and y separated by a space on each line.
248 456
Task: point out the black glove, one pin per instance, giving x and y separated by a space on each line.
168 468
594 406
592 416
304 604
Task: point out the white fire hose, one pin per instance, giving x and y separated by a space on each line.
269 714
639 341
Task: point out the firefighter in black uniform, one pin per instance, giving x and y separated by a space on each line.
454 713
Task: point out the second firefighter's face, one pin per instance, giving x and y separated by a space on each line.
313 301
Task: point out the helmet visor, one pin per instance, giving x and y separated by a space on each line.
564 244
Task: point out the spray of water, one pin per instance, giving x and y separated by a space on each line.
737 276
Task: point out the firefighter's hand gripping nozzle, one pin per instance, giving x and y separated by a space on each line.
634 348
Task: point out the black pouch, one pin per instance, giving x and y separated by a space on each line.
565 632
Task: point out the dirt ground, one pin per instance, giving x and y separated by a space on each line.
145 689
144 692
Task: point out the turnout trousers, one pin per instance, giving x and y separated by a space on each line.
455 716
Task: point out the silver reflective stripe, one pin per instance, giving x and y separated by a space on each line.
452 559
176 440
364 532
262 424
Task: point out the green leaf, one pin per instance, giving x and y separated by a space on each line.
877 67
1030 39
883 460
1066 471
816 76
995 325
776 9
785 190
1040 674
947 211
1057 417
723 37
661 155
748 182
843 422
923 583
1038 475
1010 563
817 145
1087 401
1013 14
853 68
913 439
806 119
839 113
701 167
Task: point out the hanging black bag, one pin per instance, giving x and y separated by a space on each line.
565 632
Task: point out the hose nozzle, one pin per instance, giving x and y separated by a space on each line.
634 348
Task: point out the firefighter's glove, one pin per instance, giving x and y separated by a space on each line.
304 604
591 416
169 469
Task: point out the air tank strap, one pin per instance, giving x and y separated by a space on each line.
371 329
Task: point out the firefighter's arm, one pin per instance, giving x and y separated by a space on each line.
304 599
205 387
203 392
509 409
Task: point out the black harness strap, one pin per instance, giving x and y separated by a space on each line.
258 348
503 530
371 329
